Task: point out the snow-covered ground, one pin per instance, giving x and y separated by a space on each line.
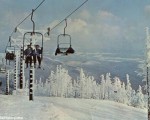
50 108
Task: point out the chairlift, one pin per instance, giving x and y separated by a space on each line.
32 43
64 47
10 53
31 34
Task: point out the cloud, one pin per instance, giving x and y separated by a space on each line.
74 26
147 13
12 19
106 26
109 31
85 30
84 14
78 26
105 15
147 8
102 30
55 22
98 26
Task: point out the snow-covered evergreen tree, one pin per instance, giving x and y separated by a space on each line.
95 89
129 89
116 89
39 88
46 88
60 84
139 98
108 86
53 84
102 87
123 94
76 89
82 84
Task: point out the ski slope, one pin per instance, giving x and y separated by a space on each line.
48 108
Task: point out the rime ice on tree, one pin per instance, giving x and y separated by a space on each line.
147 67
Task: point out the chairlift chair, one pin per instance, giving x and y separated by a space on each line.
10 53
63 47
33 33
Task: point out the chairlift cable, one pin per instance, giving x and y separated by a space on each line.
54 26
69 15
23 21
28 16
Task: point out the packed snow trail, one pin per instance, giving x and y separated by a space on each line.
85 109
50 108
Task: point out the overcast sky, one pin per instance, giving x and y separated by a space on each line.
99 26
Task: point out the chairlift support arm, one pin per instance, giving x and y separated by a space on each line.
65 27
33 20
10 40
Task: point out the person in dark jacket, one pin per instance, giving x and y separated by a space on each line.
28 55
37 52
0 83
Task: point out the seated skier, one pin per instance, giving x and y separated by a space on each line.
12 56
0 83
37 54
28 55
7 56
